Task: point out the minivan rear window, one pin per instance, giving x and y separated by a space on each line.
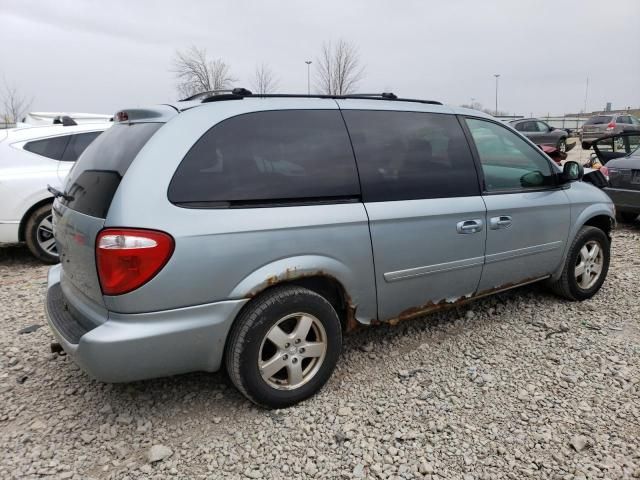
265 158
96 175
600 119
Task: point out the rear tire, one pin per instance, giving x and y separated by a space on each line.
39 235
585 269
586 145
270 333
628 217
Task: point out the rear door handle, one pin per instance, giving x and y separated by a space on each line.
503 221
470 226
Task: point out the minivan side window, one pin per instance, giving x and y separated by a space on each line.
290 156
77 144
48 147
411 155
508 162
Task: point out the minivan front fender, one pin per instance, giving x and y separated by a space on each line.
601 215
308 266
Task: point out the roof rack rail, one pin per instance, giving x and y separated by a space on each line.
240 93
64 120
204 95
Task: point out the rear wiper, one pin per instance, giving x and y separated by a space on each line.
57 193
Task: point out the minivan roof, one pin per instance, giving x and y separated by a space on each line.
163 112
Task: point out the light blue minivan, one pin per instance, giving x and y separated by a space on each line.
254 230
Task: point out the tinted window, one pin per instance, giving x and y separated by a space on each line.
262 157
508 162
598 120
411 155
529 127
96 175
49 147
77 144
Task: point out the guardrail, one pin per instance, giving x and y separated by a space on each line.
6 125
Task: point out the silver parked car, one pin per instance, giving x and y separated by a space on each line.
607 124
541 133
253 231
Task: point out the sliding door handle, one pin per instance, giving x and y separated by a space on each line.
470 226
503 221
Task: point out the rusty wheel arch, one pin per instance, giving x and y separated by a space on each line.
324 285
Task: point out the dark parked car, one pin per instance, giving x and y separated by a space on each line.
542 133
620 155
607 124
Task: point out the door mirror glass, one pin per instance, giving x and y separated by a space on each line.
572 171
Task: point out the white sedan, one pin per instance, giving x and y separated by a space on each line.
30 159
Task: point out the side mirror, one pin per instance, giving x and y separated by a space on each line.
572 171
551 129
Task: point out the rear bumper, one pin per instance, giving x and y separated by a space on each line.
127 347
625 200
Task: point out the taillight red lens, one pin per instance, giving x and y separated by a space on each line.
604 170
611 125
127 258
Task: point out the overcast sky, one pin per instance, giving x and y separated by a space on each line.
90 56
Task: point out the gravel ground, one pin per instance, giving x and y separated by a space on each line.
520 385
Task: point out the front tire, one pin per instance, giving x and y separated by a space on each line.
283 347
586 265
39 235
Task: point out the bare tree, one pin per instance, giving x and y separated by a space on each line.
14 104
196 72
339 70
264 80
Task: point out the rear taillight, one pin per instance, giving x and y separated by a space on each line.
127 258
605 171
611 125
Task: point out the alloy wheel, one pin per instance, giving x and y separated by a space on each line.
589 264
44 236
292 352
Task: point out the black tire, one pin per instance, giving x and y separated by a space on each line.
586 145
35 236
628 217
250 329
567 285
562 145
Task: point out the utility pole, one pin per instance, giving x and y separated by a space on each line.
308 62
586 93
497 75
